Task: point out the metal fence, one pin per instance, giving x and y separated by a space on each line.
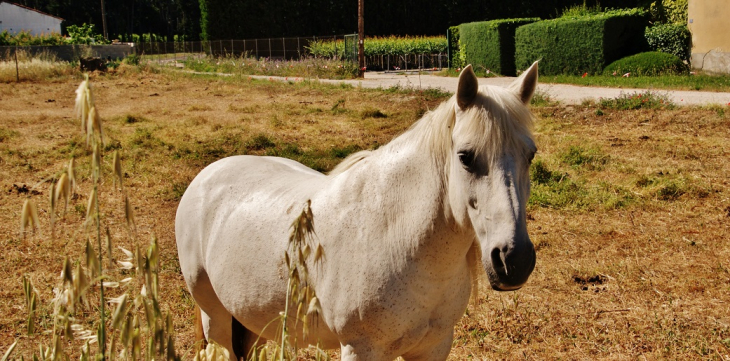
269 48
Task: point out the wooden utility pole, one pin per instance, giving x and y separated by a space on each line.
103 20
361 36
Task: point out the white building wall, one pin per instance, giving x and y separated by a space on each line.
15 19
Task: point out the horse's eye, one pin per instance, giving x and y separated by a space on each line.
466 158
530 157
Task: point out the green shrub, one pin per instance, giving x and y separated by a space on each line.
25 38
651 63
491 44
635 101
581 10
391 45
670 38
669 11
574 45
453 36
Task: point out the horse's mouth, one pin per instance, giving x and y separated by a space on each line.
510 273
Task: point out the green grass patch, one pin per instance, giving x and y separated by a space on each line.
561 190
372 113
587 158
704 82
647 100
6 134
305 68
132 119
667 187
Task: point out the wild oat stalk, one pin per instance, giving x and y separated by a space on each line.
302 251
126 336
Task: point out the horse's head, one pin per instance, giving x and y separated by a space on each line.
489 178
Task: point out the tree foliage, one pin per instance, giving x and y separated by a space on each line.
248 19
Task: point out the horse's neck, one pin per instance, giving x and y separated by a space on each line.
415 204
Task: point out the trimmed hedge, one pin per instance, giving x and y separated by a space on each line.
452 36
650 63
674 39
391 45
491 44
575 45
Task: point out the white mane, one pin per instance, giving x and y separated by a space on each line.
497 114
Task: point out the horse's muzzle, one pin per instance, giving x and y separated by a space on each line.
509 270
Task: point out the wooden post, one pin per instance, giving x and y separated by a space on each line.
103 20
17 73
361 36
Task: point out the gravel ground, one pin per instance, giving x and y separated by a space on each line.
566 94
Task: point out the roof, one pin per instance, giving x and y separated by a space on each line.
31 9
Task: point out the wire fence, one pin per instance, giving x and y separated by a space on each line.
176 53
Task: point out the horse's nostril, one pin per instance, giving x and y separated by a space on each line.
497 261
473 202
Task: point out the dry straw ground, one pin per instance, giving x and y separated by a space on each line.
629 216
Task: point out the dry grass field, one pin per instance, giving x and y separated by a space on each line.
629 214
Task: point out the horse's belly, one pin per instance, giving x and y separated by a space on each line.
233 224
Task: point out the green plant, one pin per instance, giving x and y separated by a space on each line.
669 11
647 100
490 45
453 36
84 34
25 38
391 45
673 39
647 64
580 10
131 59
578 45
579 157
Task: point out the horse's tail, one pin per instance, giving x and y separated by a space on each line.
200 342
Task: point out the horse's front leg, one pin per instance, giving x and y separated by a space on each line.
438 351
360 352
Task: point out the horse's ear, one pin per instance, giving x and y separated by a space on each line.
524 86
468 87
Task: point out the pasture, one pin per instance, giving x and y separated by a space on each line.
629 212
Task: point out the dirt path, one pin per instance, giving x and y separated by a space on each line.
566 94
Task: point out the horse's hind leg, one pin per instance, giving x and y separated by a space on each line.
214 317
244 340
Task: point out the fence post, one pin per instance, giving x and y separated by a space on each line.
17 73
269 48
257 49
283 46
448 46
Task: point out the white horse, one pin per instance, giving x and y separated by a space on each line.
401 228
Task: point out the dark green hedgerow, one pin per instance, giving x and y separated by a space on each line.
490 45
577 45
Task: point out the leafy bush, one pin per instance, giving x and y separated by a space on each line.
634 101
25 38
574 45
84 34
491 44
651 63
391 45
670 38
453 35
581 10
669 11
